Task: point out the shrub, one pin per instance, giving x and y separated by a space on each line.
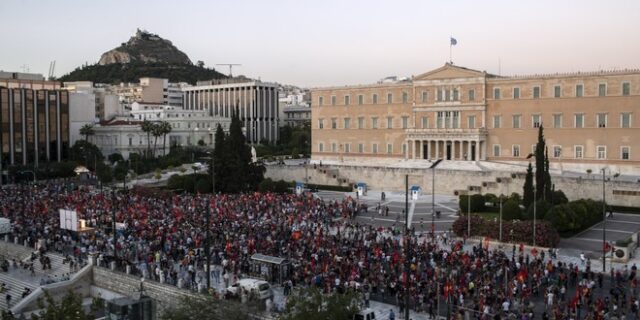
175 182
115 157
563 218
266 185
542 207
511 210
516 232
558 197
203 185
281 186
491 198
477 203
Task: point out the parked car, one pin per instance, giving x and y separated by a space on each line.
260 288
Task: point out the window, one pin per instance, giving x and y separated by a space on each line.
389 148
455 95
360 148
360 122
577 152
389 98
557 151
496 122
405 97
515 150
602 152
320 147
130 141
374 98
425 95
471 122
496 93
389 122
333 100
579 90
333 147
472 95
347 147
516 93
347 100
440 119
515 119
405 122
557 121
320 123
536 92
334 123
626 88
496 150
624 153
439 95
602 120
455 117
374 123
625 120
347 123
447 95
425 122
360 99
602 89
404 149
536 121
556 91
374 148
579 120
320 101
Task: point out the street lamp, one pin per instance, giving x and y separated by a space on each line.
604 224
535 197
433 198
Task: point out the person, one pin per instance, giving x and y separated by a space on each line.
582 258
392 316
8 298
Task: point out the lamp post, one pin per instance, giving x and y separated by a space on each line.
206 245
604 224
433 198
535 197
408 247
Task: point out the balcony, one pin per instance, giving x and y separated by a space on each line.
449 133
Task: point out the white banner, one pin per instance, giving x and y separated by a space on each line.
68 220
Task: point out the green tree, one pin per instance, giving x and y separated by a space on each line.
104 173
207 308
203 185
86 153
527 190
547 177
542 208
165 129
70 307
157 131
542 175
147 127
86 131
511 210
219 160
311 304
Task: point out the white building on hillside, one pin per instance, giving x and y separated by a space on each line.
124 135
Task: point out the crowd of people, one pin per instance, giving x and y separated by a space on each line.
163 237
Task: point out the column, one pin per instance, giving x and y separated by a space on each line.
468 150
420 149
477 150
437 149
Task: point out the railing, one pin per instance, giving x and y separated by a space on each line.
447 130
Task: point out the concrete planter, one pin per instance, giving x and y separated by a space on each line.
623 254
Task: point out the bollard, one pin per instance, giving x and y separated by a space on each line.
202 288
162 279
16 240
112 265
128 269
6 238
180 283
26 243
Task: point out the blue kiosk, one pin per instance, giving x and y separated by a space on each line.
415 192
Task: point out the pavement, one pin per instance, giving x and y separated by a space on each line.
621 226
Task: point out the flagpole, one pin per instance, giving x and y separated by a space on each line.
450 46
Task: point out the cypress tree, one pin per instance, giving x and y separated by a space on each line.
240 157
219 159
527 192
547 177
540 164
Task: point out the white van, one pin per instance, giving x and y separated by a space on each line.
260 288
366 314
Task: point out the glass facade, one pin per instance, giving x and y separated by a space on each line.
30 132
53 126
4 126
42 125
64 124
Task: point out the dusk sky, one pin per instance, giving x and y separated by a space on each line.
331 42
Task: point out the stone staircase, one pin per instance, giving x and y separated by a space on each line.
15 288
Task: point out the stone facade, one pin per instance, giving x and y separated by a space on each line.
455 113
622 193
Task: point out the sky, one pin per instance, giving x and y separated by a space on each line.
331 42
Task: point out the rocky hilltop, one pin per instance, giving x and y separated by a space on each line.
145 47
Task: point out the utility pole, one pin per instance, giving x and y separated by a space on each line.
604 226
407 233
230 65
206 245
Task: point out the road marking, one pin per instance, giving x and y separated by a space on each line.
449 208
402 220
612 230
588 239
621 221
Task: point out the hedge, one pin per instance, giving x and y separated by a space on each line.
477 203
515 232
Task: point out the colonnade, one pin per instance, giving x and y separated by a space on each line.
448 149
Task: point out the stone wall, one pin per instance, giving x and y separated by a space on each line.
164 294
447 181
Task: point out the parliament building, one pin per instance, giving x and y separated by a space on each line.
456 113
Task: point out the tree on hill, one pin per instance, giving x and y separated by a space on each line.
132 72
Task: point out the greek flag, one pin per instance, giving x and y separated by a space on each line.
454 41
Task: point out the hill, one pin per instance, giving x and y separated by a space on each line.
115 73
144 55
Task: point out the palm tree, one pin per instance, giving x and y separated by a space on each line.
147 127
86 131
157 131
165 129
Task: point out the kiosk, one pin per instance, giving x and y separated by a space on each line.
415 192
361 188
